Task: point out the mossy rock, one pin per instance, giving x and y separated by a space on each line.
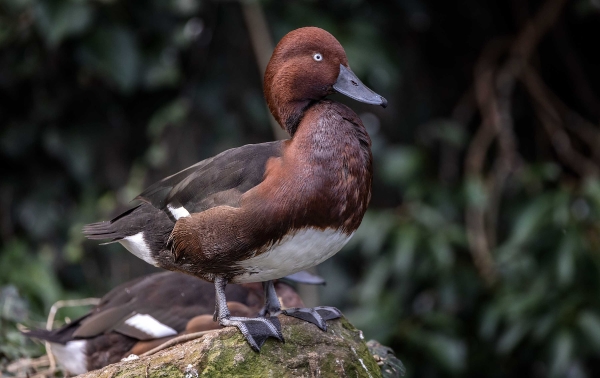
307 352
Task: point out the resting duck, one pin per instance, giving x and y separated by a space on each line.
146 312
263 211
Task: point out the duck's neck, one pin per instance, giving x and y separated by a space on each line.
332 132
333 150
290 114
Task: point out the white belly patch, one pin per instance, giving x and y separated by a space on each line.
138 246
71 356
295 252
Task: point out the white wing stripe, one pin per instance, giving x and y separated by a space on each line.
150 326
178 212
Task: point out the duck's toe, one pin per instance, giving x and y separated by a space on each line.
317 315
256 330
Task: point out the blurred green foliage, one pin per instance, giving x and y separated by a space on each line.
14 310
100 98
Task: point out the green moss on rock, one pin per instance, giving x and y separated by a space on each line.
307 352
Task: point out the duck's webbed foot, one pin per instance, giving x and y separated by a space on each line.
255 330
316 315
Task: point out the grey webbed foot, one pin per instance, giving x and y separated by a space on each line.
317 315
255 330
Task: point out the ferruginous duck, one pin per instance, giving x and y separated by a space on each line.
260 212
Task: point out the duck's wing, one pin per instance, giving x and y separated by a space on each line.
220 180
154 306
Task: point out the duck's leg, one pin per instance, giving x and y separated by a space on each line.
317 315
255 330
272 306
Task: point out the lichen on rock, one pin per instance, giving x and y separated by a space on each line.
307 352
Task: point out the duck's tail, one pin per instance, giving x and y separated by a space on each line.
57 336
115 229
144 218
144 230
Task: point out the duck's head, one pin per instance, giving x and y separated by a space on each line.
307 65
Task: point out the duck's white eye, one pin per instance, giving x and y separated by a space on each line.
318 57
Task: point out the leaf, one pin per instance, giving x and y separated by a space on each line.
114 54
162 69
476 193
544 326
441 251
451 352
406 240
562 354
60 19
512 336
529 220
374 231
428 216
401 164
489 323
173 113
45 288
589 323
591 188
565 262
561 209
12 306
447 130
373 284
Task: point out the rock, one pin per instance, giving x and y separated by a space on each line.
307 352
390 365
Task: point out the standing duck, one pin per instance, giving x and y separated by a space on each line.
260 212
144 313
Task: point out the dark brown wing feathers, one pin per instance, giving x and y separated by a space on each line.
199 187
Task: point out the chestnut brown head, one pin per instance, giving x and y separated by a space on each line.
307 65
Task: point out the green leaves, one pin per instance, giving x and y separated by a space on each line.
401 164
113 53
589 324
59 19
449 352
13 309
30 273
420 273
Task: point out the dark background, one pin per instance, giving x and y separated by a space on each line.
480 253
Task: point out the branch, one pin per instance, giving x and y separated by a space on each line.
494 85
50 321
554 125
262 44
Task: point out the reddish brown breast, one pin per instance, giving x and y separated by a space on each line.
322 180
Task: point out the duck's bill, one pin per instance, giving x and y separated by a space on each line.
348 84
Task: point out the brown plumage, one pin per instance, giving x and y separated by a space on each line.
321 180
261 212
324 185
